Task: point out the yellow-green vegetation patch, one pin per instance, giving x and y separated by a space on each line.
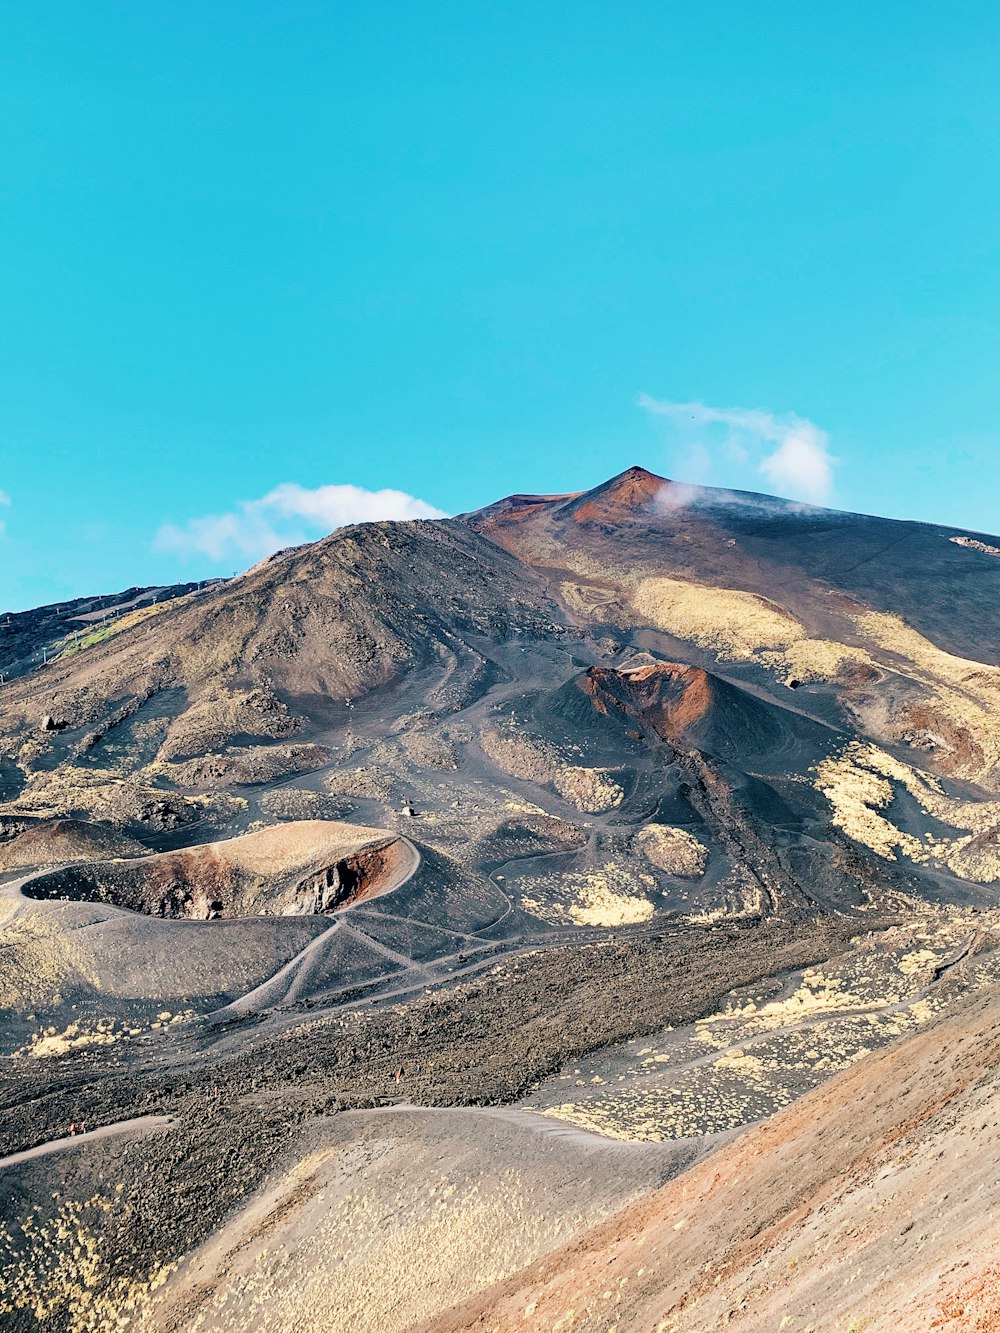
591 790
743 900
816 660
892 632
857 794
100 633
977 859
733 624
50 1041
673 849
609 896
60 1268
858 783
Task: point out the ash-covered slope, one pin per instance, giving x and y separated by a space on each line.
792 553
274 656
684 802
28 638
889 628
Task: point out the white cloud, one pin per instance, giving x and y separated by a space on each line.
5 500
798 462
286 516
801 466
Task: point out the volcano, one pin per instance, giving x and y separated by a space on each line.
534 878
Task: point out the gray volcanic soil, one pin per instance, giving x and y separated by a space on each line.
235 1101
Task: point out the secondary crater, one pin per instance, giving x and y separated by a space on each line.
302 868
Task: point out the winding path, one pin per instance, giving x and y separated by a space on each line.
138 1124
290 981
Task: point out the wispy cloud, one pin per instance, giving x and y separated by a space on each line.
286 516
791 452
5 503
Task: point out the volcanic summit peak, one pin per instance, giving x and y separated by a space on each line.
635 488
634 484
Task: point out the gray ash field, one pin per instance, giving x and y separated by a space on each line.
448 887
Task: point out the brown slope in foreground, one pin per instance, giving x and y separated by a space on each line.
869 1204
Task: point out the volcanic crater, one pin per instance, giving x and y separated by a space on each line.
301 868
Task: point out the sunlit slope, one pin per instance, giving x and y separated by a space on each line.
254 666
897 624
869 1204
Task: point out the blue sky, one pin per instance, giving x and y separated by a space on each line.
261 259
